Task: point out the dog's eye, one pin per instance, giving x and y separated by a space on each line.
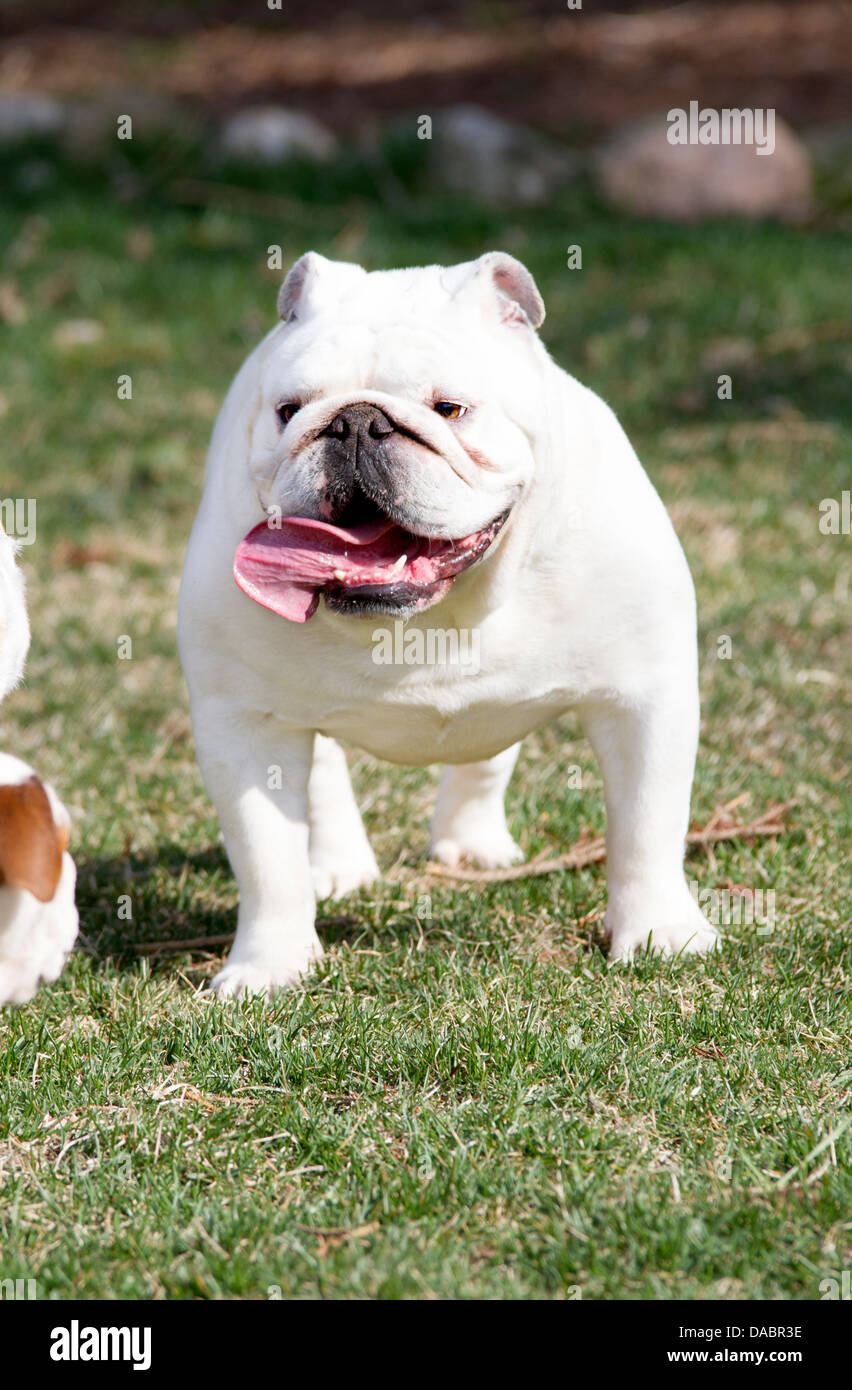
450 410
286 412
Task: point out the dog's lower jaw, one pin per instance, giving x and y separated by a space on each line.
402 601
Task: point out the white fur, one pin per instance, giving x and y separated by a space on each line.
35 937
14 627
583 602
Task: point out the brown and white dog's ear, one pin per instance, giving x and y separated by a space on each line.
31 843
312 281
505 283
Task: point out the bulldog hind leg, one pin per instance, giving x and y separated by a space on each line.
469 822
647 755
341 857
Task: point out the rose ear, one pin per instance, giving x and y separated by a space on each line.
30 841
517 292
315 280
297 283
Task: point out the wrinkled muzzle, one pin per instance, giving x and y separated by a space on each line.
390 517
359 454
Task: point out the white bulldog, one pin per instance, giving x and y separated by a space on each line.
402 448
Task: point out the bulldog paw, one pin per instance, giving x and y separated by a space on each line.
239 978
685 932
335 878
487 849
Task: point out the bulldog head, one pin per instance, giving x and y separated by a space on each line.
392 434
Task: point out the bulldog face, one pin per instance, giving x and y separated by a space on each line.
393 432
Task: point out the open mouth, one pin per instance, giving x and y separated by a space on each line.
373 566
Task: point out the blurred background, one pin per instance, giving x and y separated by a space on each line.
570 70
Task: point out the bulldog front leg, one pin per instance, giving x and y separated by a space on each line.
256 773
647 757
469 822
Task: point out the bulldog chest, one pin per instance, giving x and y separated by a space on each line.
465 723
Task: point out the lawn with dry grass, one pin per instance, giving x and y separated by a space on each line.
466 1101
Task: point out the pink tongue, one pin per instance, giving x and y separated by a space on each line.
285 567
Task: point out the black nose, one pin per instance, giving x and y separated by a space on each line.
356 454
363 419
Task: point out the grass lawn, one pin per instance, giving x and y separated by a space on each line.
466 1101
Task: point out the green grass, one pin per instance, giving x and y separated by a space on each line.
466 1101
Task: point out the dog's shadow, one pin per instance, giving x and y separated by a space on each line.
165 905
158 906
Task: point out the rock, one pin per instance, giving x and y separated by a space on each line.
27 115
274 134
498 161
640 171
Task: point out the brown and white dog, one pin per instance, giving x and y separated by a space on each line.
38 915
